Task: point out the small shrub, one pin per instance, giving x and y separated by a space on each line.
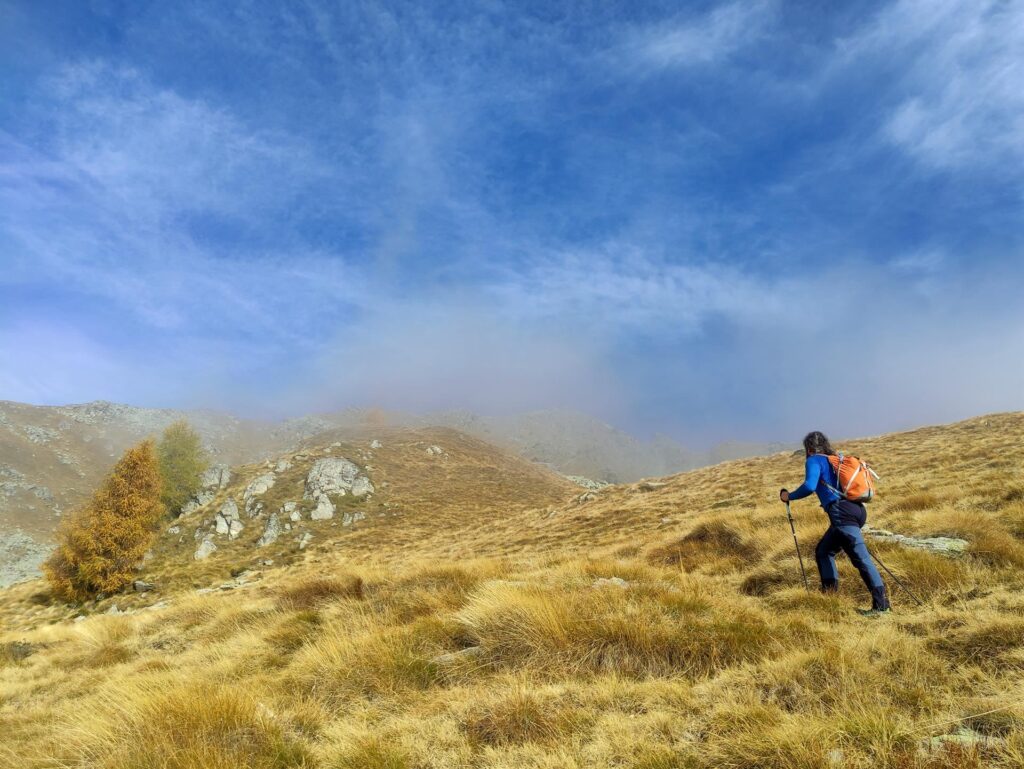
371 753
924 500
631 632
187 727
13 652
996 548
761 583
705 542
987 646
315 592
517 717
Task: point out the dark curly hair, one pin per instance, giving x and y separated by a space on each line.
817 443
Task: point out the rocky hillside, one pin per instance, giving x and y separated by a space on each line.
52 457
422 599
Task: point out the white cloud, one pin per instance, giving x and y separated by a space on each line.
960 74
693 41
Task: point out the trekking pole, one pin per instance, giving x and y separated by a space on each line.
800 558
897 580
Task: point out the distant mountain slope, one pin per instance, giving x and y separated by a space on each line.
52 457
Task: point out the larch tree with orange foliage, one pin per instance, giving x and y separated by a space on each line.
100 544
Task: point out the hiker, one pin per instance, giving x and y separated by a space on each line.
845 518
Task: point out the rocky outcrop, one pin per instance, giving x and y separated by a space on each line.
347 519
202 499
361 486
291 511
330 475
228 521
206 548
258 486
616 582
215 477
271 532
587 483
943 545
324 509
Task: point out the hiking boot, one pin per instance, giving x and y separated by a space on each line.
879 599
874 612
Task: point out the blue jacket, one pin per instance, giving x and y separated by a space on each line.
818 476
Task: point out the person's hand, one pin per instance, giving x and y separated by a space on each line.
784 495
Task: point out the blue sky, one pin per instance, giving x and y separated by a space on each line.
714 220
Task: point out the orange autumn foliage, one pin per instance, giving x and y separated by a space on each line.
102 542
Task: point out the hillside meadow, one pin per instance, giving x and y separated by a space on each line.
493 615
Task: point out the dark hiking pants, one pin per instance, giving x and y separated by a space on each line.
844 534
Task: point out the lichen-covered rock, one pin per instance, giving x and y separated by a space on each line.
617 582
951 546
304 540
203 498
227 520
375 444
206 548
291 509
347 519
258 486
324 509
330 475
361 486
271 532
587 483
282 465
215 477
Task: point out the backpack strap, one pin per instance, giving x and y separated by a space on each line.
828 486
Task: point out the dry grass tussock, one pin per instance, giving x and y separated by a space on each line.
390 654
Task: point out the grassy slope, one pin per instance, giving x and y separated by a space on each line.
714 656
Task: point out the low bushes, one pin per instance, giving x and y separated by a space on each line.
632 632
187 727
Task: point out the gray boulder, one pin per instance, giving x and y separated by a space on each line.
361 486
228 521
215 477
258 486
324 509
330 475
271 532
206 548
203 498
943 545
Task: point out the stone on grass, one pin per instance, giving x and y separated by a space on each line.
324 509
617 582
271 532
206 548
330 475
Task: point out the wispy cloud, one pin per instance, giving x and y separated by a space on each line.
705 39
960 72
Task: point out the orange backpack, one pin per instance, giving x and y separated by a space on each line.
856 479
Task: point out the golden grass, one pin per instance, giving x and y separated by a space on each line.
479 629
